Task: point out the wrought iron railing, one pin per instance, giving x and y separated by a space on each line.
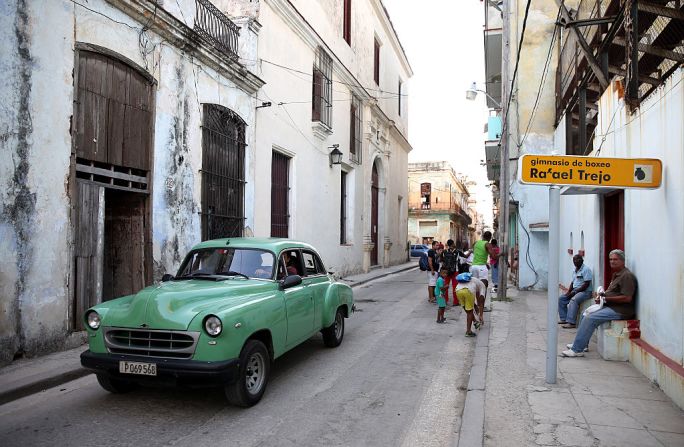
570 56
214 26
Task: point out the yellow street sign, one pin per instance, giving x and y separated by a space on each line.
590 171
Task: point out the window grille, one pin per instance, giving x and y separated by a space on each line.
280 190
346 31
223 173
355 121
321 103
376 62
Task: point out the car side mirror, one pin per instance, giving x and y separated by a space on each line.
167 277
290 281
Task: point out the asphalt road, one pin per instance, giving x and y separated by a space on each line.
398 379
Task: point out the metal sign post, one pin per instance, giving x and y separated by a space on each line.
552 294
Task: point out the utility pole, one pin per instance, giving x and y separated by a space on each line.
503 153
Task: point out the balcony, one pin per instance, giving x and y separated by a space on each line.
638 40
218 29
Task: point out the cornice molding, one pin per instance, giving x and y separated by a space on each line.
381 11
186 39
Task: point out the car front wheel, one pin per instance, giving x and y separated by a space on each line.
333 334
115 386
255 365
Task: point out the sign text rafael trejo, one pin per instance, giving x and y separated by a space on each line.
579 166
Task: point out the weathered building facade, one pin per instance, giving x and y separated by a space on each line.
522 123
133 129
115 113
440 206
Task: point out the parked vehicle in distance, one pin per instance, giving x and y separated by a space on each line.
234 306
418 249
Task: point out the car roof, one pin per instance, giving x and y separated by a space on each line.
274 244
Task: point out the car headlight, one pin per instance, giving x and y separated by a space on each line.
213 325
93 320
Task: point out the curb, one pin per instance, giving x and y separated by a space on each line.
42 384
351 283
471 432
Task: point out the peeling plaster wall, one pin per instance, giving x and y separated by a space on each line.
36 97
533 200
654 219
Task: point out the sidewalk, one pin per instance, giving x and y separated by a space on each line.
594 402
28 376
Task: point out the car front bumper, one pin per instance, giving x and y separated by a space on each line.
169 371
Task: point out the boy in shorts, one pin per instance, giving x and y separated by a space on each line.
468 290
440 294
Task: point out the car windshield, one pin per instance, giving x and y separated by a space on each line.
222 263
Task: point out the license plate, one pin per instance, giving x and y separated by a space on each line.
145 369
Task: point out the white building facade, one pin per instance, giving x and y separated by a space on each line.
336 78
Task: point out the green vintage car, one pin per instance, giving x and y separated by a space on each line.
234 306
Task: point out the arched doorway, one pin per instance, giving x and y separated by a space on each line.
375 193
112 164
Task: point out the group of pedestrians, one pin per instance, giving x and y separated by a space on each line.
466 273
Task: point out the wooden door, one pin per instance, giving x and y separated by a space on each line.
88 250
374 214
614 229
124 250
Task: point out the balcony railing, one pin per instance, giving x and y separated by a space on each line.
214 26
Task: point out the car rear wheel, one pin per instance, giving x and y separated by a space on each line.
333 334
113 385
255 367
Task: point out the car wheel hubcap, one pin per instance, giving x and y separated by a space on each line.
338 326
255 373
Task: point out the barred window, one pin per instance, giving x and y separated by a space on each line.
321 101
355 130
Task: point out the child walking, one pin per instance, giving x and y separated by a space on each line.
440 294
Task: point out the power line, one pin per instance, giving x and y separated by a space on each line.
395 94
515 71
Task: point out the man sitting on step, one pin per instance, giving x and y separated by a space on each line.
619 304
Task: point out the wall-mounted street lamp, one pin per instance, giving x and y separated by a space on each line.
335 156
471 94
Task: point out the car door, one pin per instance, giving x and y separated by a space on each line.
298 303
316 279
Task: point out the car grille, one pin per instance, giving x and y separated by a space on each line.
151 343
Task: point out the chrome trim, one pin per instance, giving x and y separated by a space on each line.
151 342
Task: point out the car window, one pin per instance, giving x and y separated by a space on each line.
312 264
289 264
227 262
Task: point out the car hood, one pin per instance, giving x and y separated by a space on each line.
173 305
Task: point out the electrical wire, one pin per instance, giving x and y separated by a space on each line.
528 257
515 70
394 94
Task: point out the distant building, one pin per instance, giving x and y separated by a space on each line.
438 204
